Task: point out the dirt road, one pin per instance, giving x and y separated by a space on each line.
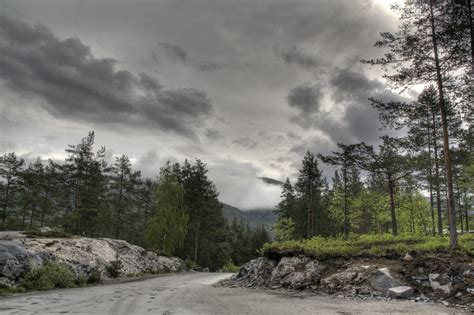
193 293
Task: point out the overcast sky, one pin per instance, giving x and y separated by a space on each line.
246 86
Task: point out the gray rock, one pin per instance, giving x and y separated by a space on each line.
13 259
440 283
256 271
402 292
84 255
381 280
296 272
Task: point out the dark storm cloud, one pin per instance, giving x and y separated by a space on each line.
306 99
355 120
295 55
75 84
179 54
353 85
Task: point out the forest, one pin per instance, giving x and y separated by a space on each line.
421 183
418 179
177 214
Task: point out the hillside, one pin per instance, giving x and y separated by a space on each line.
265 217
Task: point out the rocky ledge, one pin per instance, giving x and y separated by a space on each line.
84 255
449 280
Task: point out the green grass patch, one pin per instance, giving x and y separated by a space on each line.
230 267
370 245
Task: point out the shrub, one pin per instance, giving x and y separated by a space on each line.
114 269
95 277
191 264
230 267
49 276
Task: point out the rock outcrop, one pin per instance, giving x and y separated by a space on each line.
417 278
84 255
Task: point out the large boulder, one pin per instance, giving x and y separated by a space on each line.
13 259
381 280
84 255
256 272
296 273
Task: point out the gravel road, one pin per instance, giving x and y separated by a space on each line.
193 293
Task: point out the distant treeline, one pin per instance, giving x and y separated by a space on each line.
178 213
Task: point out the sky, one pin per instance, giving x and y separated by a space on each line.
246 86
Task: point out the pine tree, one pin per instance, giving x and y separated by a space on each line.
123 186
420 52
286 207
342 159
87 184
10 183
388 162
308 188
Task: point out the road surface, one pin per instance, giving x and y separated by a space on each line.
193 293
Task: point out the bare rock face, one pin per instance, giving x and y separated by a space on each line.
296 273
381 280
13 259
256 272
84 255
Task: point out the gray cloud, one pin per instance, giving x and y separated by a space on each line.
295 55
75 84
246 143
306 99
175 52
244 54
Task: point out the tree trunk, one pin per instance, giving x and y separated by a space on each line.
436 180
393 213
430 183
471 29
196 243
346 211
466 212
444 122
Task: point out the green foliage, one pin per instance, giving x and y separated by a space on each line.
230 267
49 276
371 245
191 264
95 277
284 229
115 268
166 231
7 290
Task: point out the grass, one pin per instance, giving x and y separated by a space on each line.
230 267
370 246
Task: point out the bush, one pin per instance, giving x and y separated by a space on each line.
95 277
49 276
114 269
191 264
230 267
